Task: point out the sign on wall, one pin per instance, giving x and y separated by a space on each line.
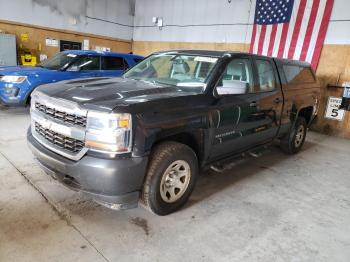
51 42
24 37
86 44
332 111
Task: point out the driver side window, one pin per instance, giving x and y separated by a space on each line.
237 75
87 63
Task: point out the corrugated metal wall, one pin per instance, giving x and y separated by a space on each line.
219 21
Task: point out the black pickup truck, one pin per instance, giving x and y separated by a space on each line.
144 137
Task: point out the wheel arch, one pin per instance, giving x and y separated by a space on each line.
306 113
191 139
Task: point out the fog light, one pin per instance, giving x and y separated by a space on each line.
11 91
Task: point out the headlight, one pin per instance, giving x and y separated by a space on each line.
110 133
13 79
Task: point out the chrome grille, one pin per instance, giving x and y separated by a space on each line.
64 142
62 116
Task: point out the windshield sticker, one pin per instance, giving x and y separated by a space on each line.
205 59
72 55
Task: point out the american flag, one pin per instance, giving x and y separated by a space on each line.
293 29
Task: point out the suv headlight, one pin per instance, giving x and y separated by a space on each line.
110 133
13 79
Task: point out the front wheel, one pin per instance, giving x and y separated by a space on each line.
294 141
170 179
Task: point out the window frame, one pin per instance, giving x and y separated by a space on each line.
85 56
125 63
137 58
275 75
224 66
299 66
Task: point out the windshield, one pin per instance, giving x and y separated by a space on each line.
59 61
188 72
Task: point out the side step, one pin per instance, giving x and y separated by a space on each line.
231 162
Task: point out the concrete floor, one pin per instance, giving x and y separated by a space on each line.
274 208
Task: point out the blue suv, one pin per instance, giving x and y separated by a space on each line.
17 82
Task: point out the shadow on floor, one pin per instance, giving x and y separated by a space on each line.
210 182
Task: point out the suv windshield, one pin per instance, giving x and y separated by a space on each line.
59 61
188 72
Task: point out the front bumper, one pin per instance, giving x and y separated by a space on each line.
115 183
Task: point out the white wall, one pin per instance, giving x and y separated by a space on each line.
188 12
339 31
204 12
62 14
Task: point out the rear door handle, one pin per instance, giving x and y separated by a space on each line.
277 100
253 104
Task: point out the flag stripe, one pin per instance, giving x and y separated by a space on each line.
272 39
296 31
283 40
310 28
292 27
261 39
317 25
277 40
322 34
252 41
257 36
267 37
303 28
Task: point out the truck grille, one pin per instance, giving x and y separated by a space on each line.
62 116
67 143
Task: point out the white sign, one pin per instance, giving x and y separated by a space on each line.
51 42
346 92
102 49
42 57
86 44
332 110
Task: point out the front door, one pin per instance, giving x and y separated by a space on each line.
245 119
85 66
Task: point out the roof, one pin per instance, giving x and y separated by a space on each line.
293 62
218 53
197 52
100 53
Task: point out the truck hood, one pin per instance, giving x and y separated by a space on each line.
105 94
23 70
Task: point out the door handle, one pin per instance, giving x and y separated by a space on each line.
277 100
253 104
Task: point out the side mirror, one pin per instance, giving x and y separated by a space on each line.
232 87
73 68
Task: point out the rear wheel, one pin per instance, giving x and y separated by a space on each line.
170 179
294 141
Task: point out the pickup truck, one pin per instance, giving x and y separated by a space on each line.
144 138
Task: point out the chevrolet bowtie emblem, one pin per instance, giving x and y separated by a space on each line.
46 124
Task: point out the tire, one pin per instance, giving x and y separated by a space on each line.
294 141
170 178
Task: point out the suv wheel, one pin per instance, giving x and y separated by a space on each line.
170 179
293 142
